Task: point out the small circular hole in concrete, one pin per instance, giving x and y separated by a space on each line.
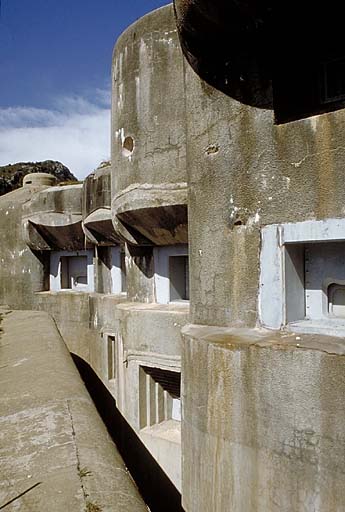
128 146
212 149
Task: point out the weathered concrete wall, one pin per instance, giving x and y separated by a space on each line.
153 328
22 272
140 274
71 312
64 199
96 203
51 437
97 190
261 422
149 335
245 172
82 317
263 425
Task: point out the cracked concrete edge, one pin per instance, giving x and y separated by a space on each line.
50 432
240 338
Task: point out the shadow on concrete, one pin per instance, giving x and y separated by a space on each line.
229 45
142 257
155 487
20 495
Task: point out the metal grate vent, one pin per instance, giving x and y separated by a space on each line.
168 380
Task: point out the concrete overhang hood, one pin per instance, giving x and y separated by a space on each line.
152 214
53 219
99 229
49 231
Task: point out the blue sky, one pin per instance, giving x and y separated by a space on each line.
55 60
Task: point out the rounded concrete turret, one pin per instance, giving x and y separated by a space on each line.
149 190
39 179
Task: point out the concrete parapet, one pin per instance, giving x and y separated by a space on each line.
263 424
97 190
64 199
55 451
97 223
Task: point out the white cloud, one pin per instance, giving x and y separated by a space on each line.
76 132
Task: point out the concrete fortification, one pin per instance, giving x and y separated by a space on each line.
200 275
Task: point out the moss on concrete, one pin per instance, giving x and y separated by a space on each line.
92 507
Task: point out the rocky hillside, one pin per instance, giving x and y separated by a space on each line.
11 176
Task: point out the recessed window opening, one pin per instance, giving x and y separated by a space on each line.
308 86
308 76
171 274
179 278
123 271
336 300
118 270
302 276
111 357
160 395
73 272
315 281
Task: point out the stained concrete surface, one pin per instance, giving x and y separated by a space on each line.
22 272
263 421
52 440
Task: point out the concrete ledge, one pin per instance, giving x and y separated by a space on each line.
232 338
263 421
52 440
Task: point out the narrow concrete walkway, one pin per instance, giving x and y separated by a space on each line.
55 453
